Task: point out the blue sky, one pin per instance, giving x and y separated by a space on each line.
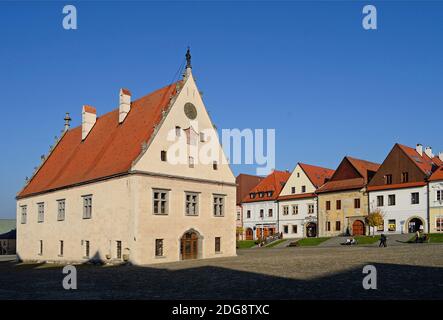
309 70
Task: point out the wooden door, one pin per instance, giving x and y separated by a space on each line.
189 246
358 228
249 234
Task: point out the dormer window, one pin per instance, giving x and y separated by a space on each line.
270 193
252 195
261 194
404 177
388 179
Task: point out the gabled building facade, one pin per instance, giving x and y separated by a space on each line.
298 202
343 200
436 200
260 206
244 182
400 189
130 186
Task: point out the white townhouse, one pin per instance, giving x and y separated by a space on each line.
436 200
260 207
399 189
113 188
298 202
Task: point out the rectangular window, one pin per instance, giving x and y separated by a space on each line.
24 214
328 205
248 214
215 165
87 207
262 213
191 162
439 195
357 203
285 229
388 179
217 244
285 210
159 247
439 223
41 212
338 204
337 226
219 206
293 190
163 155
60 253
119 249
238 216
294 229
86 244
40 247
391 200
295 209
415 198
328 226
160 201
191 204
303 189
270 213
391 225
404 177
178 131
202 137
380 201
61 210
310 208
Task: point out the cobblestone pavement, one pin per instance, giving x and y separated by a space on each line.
412 271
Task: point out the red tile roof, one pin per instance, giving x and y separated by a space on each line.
317 175
397 186
273 182
437 161
423 162
437 175
363 167
245 182
109 149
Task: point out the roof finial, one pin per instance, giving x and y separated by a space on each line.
188 59
67 121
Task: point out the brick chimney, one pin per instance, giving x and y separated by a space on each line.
125 104
419 149
429 153
89 117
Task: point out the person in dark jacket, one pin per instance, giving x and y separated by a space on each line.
382 241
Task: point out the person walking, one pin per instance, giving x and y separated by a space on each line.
382 241
417 236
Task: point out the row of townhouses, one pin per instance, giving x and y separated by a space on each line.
407 189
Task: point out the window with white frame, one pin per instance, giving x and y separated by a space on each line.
219 205
293 190
439 224
415 198
40 212
191 204
61 210
87 207
311 208
119 249
86 248
285 210
380 200
391 200
159 247
269 212
24 214
295 209
294 229
202 137
439 195
262 213
160 201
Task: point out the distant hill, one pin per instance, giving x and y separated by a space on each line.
7 225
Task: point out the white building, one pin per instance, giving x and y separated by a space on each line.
113 189
399 189
436 200
298 202
260 207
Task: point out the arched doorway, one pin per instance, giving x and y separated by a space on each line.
311 229
249 234
414 225
358 228
189 245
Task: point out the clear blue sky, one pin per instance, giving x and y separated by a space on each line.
309 70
